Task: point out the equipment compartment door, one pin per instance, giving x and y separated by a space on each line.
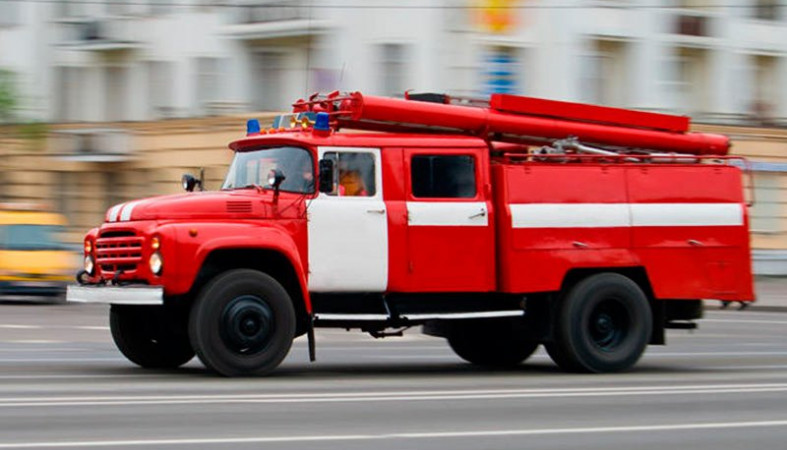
450 237
348 228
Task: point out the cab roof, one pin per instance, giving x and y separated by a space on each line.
359 139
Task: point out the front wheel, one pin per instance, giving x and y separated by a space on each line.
242 323
491 342
149 337
603 324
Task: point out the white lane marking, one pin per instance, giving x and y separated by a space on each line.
383 396
376 354
411 435
693 354
27 349
760 367
447 214
69 377
775 322
14 326
60 360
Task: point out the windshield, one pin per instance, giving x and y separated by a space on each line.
30 237
251 168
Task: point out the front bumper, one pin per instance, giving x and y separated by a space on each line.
116 295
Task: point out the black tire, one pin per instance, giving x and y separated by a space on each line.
491 342
242 323
149 337
602 325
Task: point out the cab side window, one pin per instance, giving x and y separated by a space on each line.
354 174
443 176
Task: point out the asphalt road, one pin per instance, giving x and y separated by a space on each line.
63 384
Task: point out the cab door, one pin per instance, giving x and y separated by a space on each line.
450 234
348 228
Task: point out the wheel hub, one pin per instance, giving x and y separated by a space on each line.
609 324
247 324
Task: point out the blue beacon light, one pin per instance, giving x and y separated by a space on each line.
252 127
323 122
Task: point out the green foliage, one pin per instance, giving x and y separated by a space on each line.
8 95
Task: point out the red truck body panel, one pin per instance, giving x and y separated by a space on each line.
686 225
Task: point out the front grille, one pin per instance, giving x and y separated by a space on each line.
118 250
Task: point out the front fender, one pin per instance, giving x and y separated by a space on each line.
196 242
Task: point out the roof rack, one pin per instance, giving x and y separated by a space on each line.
510 118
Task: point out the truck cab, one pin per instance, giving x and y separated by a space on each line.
487 238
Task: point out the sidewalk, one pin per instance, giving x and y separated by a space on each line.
771 293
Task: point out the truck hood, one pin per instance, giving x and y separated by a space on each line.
242 203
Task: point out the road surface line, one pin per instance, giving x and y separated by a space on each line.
775 322
349 397
394 436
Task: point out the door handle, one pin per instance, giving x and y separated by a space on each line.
481 213
376 211
695 243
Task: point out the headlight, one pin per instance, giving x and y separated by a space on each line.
89 266
156 263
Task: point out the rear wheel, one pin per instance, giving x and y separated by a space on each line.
149 337
491 342
242 323
603 324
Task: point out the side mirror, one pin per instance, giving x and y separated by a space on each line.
275 178
189 182
326 175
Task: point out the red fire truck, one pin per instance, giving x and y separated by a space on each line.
498 225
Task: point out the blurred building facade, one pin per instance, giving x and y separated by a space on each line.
138 91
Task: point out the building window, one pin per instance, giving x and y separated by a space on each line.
393 69
500 70
117 7
70 8
765 89
766 212
442 176
68 81
160 7
208 85
767 9
10 13
160 89
604 74
687 80
116 93
268 81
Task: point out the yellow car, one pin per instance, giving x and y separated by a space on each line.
34 263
